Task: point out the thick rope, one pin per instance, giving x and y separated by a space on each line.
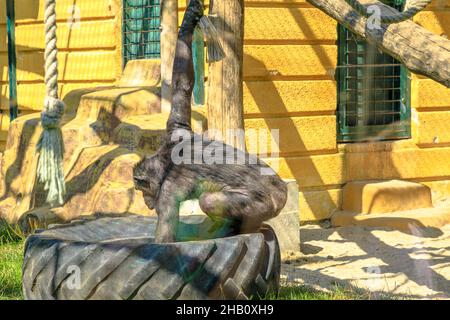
50 145
412 7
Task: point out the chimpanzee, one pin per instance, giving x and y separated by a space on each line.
244 194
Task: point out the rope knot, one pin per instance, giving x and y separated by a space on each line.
52 114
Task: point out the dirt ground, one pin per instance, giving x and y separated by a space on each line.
385 262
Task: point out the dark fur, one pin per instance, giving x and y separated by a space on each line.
234 192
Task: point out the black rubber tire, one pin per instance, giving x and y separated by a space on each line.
117 259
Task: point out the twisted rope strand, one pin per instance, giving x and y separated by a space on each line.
51 51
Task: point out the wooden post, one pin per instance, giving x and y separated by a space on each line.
169 31
225 92
418 49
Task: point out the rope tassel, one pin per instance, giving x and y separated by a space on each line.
215 49
50 145
51 149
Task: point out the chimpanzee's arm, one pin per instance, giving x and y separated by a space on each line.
183 70
168 207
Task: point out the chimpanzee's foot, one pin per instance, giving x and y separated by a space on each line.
164 236
243 213
166 228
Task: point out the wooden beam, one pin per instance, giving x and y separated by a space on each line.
225 88
418 49
169 33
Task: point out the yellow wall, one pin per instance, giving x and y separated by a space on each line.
89 50
290 57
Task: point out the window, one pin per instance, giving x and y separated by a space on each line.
141 39
373 91
141 29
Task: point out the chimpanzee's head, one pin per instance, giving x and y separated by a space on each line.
147 176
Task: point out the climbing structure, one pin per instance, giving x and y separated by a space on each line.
424 53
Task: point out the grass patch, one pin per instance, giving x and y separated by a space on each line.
10 233
11 256
306 293
300 292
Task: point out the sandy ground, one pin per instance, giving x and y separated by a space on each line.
379 260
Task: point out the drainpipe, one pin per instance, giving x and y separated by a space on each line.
10 15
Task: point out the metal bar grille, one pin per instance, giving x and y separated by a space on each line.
141 29
198 55
373 91
10 25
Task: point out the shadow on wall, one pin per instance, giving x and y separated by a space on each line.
307 170
352 162
441 13
304 168
290 127
100 149
25 138
356 166
30 10
31 13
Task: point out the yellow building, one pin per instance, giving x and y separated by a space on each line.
295 80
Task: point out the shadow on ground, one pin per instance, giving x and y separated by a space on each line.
384 263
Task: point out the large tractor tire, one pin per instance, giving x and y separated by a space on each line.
115 258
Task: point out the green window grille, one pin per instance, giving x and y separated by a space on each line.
198 55
373 91
141 30
141 39
10 26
